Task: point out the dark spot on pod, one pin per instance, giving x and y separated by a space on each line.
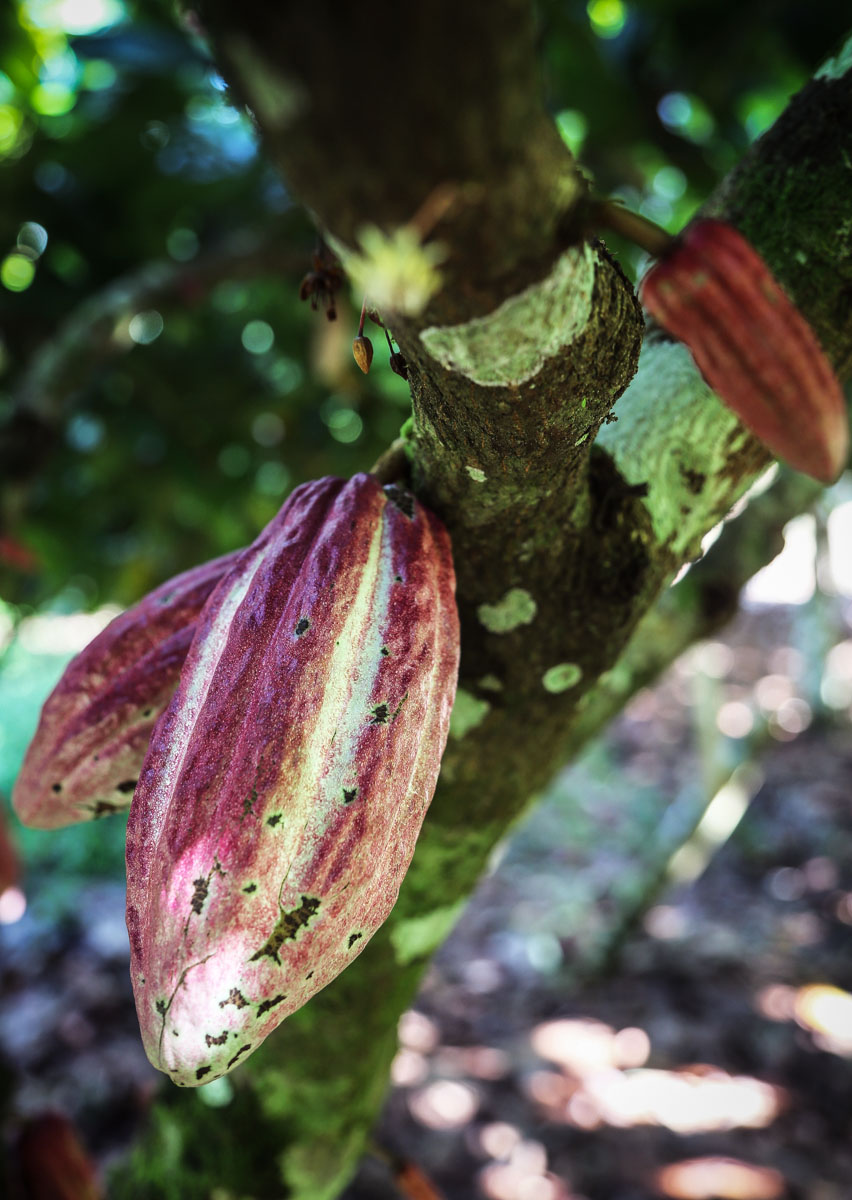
273 820
249 888
286 928
202 1071
202 887
147 712
302 626
399 579
161 1007
236 998
384 652
216 1041
379 715
265 1006
57 787
95 757
349 795
241 1050
126 786
353 938
309 974
103 808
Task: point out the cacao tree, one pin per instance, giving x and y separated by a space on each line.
571 447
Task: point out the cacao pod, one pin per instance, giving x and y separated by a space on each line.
85 757
285 785
715 293
53 1164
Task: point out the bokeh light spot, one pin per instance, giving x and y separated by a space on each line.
670 183
74 16
408 1068
257 337
267 429
827 1011
607 17
84 433
272 479
686 115
444 1104
145 327
735 719
50 176
52 99
13 905
182 244
719 1179
32 239
17 272
417 1032
98 75
10 124
345 425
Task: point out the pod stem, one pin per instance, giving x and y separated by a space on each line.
363 318
652 238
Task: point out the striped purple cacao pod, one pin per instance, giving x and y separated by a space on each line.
94 727
285 785
714 292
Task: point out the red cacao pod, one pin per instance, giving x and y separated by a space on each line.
85 757
52 1163
285 785
715 293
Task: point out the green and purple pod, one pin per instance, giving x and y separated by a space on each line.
85 757
285 785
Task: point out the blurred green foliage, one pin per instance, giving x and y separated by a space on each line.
60 858
151 425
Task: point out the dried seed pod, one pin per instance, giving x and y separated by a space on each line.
362 351
285 785
84 759
52 1163
715 293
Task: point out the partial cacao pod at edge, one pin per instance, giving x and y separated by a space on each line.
284 787
715 293
84 759
52 1163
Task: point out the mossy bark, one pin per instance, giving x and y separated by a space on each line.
563 540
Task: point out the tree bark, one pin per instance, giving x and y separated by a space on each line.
426 122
